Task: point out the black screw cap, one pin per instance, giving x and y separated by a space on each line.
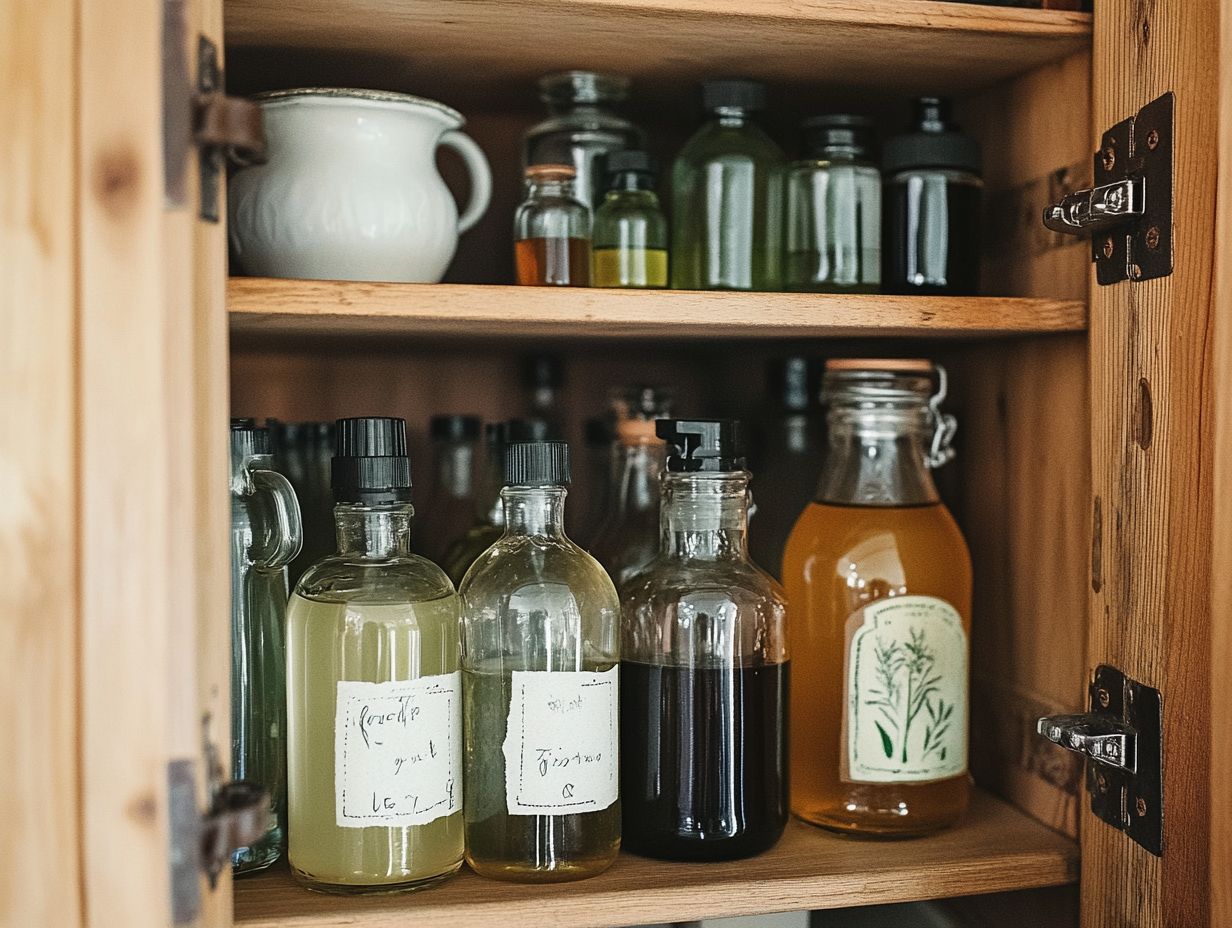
370 461
702 444
537 464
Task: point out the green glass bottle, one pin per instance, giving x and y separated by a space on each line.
630 232
726 196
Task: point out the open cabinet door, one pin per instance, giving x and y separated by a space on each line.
1153 416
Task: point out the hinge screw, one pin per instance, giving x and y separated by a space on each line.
1140 807
1102 697
1135 272
1108 247
1109 157
1152 139
1152 237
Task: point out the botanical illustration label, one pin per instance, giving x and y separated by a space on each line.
398 751
905 692
560 747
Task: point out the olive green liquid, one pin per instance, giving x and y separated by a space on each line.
525 848
328 641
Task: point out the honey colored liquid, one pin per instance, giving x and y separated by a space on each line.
838 560
553 262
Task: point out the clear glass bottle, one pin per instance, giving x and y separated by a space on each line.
451 501
302 454
726 197
832 242
582 127
541 645
265 536
630 234
374 692
628 536
551 230
543 377
878 585
704 666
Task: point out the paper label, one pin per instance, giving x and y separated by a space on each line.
398 751
905 692
561 755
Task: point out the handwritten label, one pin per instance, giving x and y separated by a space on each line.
561 755
398 751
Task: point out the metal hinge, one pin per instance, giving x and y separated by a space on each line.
1121 739
1128 212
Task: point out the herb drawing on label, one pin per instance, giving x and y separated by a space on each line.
907 686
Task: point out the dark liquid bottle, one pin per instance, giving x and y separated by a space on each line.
551 230
553 262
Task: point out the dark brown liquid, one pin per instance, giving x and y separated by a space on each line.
703 760
553 262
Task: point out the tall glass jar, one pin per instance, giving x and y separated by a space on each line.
541 645
582 127
374 692
265 536
551 230
878 583
704 666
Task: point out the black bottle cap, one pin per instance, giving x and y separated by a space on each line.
543 371
370 462
733 93
247 439
838 130
933 142
537 464
793 382
702 444
635 162
454 428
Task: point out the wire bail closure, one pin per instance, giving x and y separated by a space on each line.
944 425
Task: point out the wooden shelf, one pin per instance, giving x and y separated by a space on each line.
305 308
996 849
460 50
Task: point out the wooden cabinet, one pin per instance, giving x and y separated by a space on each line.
1092 481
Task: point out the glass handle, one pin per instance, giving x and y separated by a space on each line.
288 535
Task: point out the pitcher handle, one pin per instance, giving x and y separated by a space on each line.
288 528
481 176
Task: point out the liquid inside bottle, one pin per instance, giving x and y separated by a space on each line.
630 230
551 230
553 262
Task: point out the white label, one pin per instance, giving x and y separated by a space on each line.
906 692
561 754
398 751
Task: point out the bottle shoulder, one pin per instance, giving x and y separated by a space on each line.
669 579
347 578
517 562
715 141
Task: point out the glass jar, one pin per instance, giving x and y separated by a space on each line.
832 242
374 692
878 585
265 536
582 127
630 235
551 230
541 647
704 667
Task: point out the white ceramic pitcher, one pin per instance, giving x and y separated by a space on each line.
351 190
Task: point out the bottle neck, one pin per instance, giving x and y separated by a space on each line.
455 468
631 182
378 531
536 511
877 457
551 189
705 516
731 117
637 466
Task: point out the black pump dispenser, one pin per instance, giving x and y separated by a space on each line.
537 464
702 444
370 464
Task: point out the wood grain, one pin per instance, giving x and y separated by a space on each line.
1152 467
995 849
39 802
282 308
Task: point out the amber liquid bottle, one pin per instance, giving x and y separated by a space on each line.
878 582
551 230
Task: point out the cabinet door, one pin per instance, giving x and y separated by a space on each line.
1153 417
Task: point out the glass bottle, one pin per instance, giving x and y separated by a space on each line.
451 503
302 453
551 230
628 536
726 212
630 234
786 461
704 665
543 376
540 649
582 127
933 195
832 242
878 584
265 536
374 694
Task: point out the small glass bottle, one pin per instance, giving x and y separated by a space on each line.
933 195
878 585
541 645
265 536
551 230
582 127
374 694
726 197
832 242
451 502
628 536
704 666
630 234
